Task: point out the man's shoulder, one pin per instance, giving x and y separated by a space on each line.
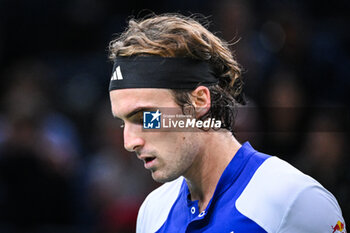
277 190
157 205
277 175
273 188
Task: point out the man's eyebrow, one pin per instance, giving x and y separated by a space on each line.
135 111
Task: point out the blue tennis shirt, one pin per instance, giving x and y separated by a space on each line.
255 193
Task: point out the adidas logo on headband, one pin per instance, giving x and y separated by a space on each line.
117 75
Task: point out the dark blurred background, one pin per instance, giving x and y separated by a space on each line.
62 163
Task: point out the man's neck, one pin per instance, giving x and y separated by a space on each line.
204 174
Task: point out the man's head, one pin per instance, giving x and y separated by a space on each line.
172 154
172 35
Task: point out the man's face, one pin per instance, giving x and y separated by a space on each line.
167 155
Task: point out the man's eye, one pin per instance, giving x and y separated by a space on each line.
137 118
138 121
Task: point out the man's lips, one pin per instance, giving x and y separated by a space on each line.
149 163
148 160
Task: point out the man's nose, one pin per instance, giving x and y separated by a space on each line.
132 138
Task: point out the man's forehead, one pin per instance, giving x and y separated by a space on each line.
140 94
125 101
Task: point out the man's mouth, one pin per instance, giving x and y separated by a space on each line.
149 159
149 162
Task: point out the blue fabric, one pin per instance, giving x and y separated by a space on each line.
221 214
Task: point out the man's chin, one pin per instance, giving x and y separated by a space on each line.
162 178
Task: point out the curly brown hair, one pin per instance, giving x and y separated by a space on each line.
174 35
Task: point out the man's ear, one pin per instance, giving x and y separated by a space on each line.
201 100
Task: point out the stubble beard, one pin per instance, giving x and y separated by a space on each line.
173 169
